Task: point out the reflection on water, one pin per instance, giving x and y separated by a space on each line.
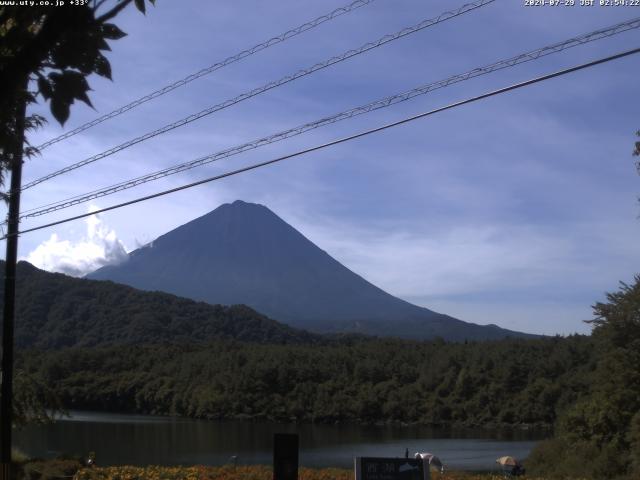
143 440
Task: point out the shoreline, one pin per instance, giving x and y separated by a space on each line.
266 419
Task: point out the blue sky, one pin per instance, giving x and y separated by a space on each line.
520 210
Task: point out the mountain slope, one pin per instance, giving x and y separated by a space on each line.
56 311
244 253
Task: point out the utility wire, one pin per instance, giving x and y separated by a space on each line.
376 105
341 140
210 69
264 88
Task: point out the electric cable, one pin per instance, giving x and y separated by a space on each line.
210 69
266 87
372 106
340 140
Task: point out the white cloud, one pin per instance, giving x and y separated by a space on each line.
457 261
99 247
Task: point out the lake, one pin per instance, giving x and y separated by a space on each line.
143 440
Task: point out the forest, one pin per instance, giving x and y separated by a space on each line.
55 311
102 346
599 435
510 382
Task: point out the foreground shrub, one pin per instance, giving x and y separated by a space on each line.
258 472
50 469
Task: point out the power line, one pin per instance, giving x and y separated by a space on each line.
376 105
341 140
264 88
210 69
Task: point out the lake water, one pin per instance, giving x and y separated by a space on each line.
144 440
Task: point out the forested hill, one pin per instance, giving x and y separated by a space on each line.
56 311
100 345
505 382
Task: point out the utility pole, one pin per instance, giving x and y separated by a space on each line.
11 259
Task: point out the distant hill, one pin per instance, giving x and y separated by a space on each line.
243 253
56 311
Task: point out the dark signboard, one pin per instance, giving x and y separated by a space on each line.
285 456
378 468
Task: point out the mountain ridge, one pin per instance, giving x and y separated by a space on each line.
55 311
243 253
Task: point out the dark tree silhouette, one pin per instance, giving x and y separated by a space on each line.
46 51
50 51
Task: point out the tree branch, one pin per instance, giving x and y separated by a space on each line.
113 12
98 4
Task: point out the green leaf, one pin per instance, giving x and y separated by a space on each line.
67 87
60 110
103 45
112 32
31 152
82 96
140 5
34 121
103 67
44 86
